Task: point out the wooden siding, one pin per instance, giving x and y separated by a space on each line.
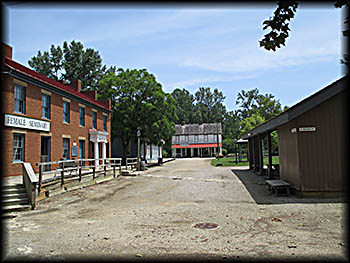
322 152
288 154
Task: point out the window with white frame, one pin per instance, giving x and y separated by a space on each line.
45 106
18 147
20 98
82 116
66 112
94 120
104 122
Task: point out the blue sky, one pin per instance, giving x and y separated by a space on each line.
191 46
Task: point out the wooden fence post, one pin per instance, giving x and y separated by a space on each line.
62 175
40 178
79 167
114 169
93 171
105 166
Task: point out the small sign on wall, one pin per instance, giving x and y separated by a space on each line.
74 151
293 130
306 129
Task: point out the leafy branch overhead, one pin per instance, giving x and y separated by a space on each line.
279 24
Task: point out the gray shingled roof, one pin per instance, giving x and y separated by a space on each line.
205 128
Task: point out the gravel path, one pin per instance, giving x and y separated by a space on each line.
153 216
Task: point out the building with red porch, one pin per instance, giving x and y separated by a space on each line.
197 140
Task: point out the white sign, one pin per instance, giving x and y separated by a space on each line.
302 129
26 123
293 130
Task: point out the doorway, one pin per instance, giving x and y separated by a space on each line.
45 152
82 151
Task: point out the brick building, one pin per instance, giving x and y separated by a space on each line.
197 140
45 120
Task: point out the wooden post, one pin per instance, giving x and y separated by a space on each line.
114 169
79 167
62 175
269 144
40 178
93 171
261 155
120 168
105 167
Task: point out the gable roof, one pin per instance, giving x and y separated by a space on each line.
301 107
25 74
205 128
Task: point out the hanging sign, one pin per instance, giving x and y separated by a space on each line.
26 123
305 129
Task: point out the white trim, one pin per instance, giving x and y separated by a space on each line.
21 83
46 134
66 136
66 100
105 114
19 131
43 91
81 105
82 138
92 109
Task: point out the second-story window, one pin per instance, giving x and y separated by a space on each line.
82 116
20 99
45 106
66 112
94 120
104 122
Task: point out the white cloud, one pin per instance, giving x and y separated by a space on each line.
204 80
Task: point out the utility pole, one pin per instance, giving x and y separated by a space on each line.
138 149
217 140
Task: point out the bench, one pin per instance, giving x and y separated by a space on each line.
279 187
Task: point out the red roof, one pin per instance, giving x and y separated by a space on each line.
14 65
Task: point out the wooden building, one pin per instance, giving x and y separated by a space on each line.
312 141
197 140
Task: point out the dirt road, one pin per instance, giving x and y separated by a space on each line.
154 216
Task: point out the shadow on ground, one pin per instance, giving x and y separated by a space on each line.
257 188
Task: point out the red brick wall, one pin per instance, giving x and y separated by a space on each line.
58 128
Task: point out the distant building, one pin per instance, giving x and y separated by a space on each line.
197 140
148 152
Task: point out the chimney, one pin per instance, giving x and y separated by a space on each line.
90 93
76 84
6 50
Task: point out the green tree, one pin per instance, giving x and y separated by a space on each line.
252 102
184 102
279 25
71 62
209 105
230 126
138 102
251 122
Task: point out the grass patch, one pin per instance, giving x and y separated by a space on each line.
231 161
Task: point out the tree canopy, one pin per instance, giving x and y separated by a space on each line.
252 102
138 102
71 62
